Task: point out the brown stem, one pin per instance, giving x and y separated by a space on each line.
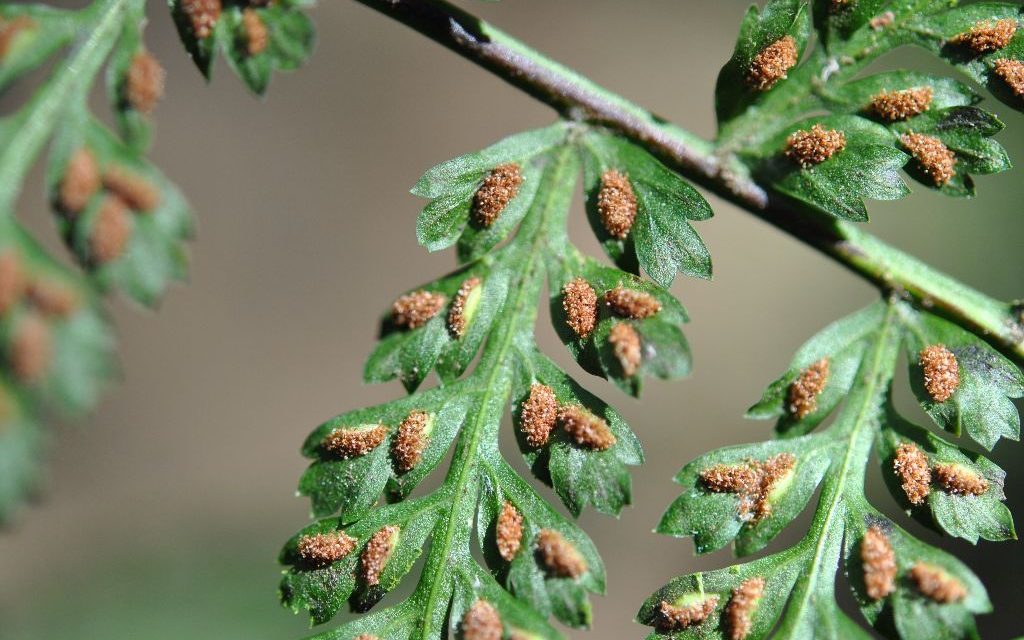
577 98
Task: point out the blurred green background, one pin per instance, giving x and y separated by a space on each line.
164 511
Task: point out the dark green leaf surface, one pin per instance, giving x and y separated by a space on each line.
467 409
289 37
760 28
982 404
665 352
663 241
867 168
964 516
829 79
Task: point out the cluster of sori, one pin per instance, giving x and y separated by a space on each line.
747 494
505 209
773 91
256 37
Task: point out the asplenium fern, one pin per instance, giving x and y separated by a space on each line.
947 487
746 495
804 138
538 562
124 222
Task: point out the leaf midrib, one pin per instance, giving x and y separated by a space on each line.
466 465
838 486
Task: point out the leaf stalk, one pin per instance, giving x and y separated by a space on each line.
578 98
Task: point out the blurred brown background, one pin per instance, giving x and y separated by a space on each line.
165 510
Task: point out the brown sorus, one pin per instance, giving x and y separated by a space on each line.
579 300
879 561
616 203
940 370
901 104
377 553
411 440
12 280
1012 73
773 470
256 34
509 531
731 478
559 557
959 480
10 29
630 303
457 320
80 182
481 622
322 549
772 64
111 231
672 617
586 429
987 35
31 349
753 481
911 466
538 415
499 187
804 391
808 147
882 20
355 441
52 298
414 310
936 584
739 612
933 157
136 191
625 343
144 82
203 15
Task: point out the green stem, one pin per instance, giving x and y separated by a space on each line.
578 98
496 373
35 123
855 429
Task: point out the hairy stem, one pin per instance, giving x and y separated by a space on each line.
575 97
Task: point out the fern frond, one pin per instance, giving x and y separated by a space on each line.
124 221
905 587
538 562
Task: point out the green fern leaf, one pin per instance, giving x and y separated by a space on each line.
746 495
538 563
256 38
125 223
772 92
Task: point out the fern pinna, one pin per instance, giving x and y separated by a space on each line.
769 104
617 325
